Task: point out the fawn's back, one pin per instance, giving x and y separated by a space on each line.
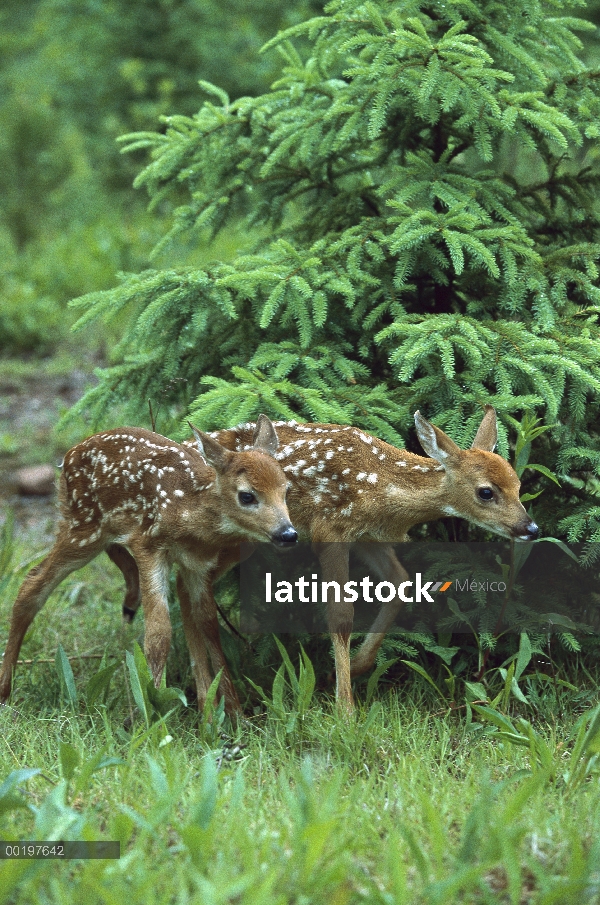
130 480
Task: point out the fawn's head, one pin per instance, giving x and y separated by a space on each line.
480 485
252 486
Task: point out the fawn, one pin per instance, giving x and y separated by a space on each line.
348 487
168 503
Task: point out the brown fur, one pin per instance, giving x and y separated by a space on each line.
384 492
166 504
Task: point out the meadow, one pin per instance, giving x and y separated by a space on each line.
407 801
394 207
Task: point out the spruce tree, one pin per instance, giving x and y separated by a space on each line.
422 189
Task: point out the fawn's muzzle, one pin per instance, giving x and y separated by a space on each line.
527 532
285 537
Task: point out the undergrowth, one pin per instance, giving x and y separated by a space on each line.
429 793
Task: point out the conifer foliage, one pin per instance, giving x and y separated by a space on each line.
423 189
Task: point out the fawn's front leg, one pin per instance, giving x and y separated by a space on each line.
201 626
334 559
154 577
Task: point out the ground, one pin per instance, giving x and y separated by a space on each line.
33 395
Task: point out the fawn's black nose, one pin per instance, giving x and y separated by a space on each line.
533 531
286 536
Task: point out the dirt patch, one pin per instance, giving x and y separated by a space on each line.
31 402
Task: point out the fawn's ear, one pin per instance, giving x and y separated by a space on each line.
487 432
435 442
211 450
265 435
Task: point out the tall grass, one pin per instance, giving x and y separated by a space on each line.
406 802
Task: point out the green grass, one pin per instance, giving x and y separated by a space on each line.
403 803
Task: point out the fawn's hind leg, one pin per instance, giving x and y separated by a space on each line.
124 561
382 562
63 559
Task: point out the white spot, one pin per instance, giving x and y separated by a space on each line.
346 471
403 464
296 467
361 475
372 478
329 454
348 509
179 493
365 439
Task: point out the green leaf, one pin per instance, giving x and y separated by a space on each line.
65 674
293 679
69 760
375 676
203 811
545 471
10 797
211 694
419 669
99 684
138 683
559 543
475 692
524 655
496 718
307 682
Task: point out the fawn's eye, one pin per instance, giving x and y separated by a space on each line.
485 493
246 498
